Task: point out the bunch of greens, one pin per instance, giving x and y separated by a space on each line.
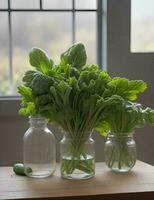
78 97
122 117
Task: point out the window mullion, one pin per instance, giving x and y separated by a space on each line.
99 32
10 50
73 22
40 4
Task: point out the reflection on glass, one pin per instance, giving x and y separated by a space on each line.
57 4
4 62
49 31
142 26
25 4
86 33
85 4
3 4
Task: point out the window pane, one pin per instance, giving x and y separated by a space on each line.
57 4
85 4
4 62
42 32
24 4
142 26
86 33
3 4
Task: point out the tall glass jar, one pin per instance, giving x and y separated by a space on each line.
77 157
120 152
39 149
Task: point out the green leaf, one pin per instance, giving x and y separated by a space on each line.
74 56
49 111
29 110
74 72
41 84
29 76
149 115
137 85
103 128
125 88
43 99
26 92
23 111
39 59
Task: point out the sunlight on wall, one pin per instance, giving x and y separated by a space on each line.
142 26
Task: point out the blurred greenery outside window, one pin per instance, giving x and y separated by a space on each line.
52 25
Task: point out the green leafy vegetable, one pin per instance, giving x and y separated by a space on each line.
41 84
125 88
81 97
123 116
28 77
40 60
103 128
30 109
26 92
75 56
77 96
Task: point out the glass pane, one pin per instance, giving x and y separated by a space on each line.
3 4
4 62
57 4
21 4
86 33
85 4
142 26
42 32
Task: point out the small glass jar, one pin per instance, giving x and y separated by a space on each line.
120 152
77 158
39 149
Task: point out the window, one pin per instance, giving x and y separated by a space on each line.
142 26
52 25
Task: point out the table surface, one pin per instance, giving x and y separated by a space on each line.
137 184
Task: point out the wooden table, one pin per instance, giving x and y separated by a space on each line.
106 185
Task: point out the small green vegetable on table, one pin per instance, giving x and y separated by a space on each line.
19 169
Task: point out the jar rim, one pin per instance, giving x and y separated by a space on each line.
121 135
77 138
37 119
121 132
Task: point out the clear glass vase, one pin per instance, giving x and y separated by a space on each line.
120 152
77 158
39 149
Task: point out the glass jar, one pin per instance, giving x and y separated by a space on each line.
39 149
120 152
77 157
